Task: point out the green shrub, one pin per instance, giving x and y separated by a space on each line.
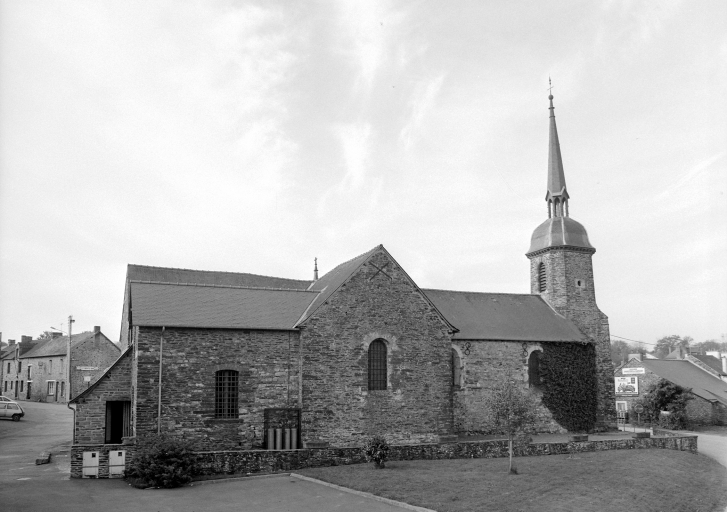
161 461
377 450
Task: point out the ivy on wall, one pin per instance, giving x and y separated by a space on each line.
568 373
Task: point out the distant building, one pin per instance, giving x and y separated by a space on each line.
12 380
702 375
39 372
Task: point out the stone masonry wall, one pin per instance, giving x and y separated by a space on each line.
268 378
97 352
337 405
565 269
90 427
486 364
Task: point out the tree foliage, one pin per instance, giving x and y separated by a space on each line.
670 398
666 344
45 335
620 351
376 450
513 410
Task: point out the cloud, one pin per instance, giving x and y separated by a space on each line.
422 101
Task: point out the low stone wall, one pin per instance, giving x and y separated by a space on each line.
243 462
671 433
103 456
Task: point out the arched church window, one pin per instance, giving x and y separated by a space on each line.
226 393
377 365
534 379
542 282
456 369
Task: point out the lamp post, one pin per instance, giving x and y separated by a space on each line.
67 369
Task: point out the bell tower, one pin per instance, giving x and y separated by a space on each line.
561 271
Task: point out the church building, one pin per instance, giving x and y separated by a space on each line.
219 358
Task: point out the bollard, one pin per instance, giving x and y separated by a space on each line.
271 439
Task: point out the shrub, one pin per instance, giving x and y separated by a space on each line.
161 461
666 397
376 450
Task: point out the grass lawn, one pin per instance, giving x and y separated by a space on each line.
618 480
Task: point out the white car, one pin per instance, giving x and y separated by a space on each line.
11 410
5 399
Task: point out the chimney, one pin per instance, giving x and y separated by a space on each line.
315 269
11 342
96 329
635 356
724 363
55 334
23 339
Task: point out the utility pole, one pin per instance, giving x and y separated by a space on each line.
68 357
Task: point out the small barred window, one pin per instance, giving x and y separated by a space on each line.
456 369
534 379
226 392
377 365
542 283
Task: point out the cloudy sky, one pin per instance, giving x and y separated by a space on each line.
255 136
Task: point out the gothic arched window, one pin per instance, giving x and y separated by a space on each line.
542 280
534 379
377 365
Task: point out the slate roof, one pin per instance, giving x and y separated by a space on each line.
689 375
503 316
710 361
56 346
208 306
187 276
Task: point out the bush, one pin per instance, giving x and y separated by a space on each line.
376 450
161 461
666 397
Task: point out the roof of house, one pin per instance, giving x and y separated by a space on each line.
503 316
209 306
710 361
57 346
688 375
187 276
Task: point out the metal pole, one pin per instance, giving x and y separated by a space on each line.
159 404
68 358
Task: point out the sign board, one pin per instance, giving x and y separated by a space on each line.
87 368
633 371
87 378
627 385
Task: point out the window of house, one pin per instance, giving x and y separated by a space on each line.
20 367
8 372
51 387
377 365
22 385
534 379
456 369
542 282
6 385
63 388
226 393
11 385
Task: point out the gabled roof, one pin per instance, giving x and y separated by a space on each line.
688 375
57 346
710 361
333 280
187 276
209 306
503 316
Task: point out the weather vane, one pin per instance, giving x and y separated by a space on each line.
550 86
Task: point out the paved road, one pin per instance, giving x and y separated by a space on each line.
27 487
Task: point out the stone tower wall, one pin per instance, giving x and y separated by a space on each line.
571 292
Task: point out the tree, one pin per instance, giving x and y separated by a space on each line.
667 397
620 351
45 335
668 343
513 409
709 345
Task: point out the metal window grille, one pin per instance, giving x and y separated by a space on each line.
377 365
226 391
541 278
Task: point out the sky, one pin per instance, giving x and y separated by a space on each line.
256 136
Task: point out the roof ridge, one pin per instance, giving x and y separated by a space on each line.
483 293
215 272
380 246
208 285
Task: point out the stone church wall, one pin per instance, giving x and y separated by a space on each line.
268 378
338 407
486 364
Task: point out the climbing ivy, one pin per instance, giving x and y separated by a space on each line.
568 372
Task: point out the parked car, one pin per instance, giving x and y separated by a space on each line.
11 410
5 399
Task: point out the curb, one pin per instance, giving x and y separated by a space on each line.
395 503
233 479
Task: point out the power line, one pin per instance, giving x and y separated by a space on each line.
629 339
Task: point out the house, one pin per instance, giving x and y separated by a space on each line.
39 371
220 358
15 374
708 390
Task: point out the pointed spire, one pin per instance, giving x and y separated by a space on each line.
557 195
315 269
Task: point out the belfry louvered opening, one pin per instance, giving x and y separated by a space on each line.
542 283
377 365
226 391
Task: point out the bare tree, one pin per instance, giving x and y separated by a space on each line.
513 409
